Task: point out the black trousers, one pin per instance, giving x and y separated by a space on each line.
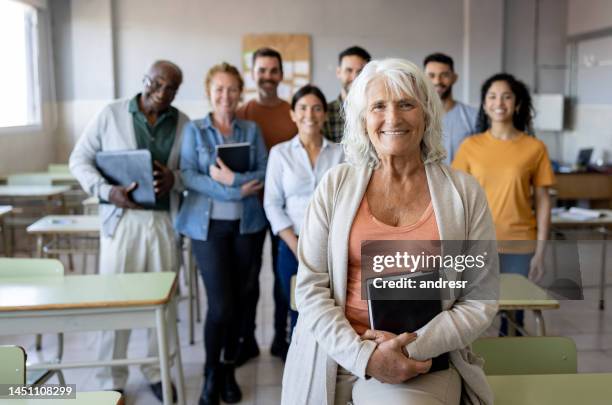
225 261
281 306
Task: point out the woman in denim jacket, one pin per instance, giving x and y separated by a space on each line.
224 217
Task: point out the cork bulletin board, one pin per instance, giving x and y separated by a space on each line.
295 50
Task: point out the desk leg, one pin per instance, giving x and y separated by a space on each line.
39 246
178 362
196 284
186 251
39 254
602 275
511 322
5 239
164 364
540 327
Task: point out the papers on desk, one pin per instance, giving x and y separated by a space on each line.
577 214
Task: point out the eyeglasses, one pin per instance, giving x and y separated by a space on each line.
154 86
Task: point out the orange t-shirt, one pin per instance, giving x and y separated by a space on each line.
367 227
507 170
275 122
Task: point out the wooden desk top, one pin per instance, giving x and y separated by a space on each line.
85 291
552 389
66 224
5 209
605 220
82 398
517 292
32 191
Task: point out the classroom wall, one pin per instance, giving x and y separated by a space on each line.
586 16
129 35
589 121
535 52
84 56
101 48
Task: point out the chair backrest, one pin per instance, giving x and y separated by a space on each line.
26 267
37 179
527 355
59 168
12 365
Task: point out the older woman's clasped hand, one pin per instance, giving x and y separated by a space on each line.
390 363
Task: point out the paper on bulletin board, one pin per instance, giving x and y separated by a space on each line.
295 51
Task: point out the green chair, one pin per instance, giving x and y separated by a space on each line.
527 355
58 168
26 267
29 179
12 365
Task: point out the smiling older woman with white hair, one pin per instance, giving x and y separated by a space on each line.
393 188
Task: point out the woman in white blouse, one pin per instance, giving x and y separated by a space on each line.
295 167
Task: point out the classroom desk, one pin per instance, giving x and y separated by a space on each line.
602 225
31 192
4 210
41 178
82 398
90 207
20 196
94 303
64 226
517 292
552 389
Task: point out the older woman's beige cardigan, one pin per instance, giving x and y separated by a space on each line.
323 337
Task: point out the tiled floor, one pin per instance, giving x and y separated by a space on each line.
260 379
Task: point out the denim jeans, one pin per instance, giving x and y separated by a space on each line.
225 261
511 263
286 267
280 304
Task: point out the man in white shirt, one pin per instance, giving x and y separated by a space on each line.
459 120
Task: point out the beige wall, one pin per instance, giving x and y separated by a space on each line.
591 125
129 35
101 48
588 15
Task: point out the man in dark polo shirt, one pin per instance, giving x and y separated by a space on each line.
350 63
134 239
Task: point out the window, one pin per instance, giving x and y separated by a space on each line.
20 101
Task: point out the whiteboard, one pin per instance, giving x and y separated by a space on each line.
594 71
548 112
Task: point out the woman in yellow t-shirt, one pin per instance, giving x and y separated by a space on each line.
514 170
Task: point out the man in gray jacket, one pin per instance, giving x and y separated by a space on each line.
133 239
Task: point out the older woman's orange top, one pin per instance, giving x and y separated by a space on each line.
366 227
